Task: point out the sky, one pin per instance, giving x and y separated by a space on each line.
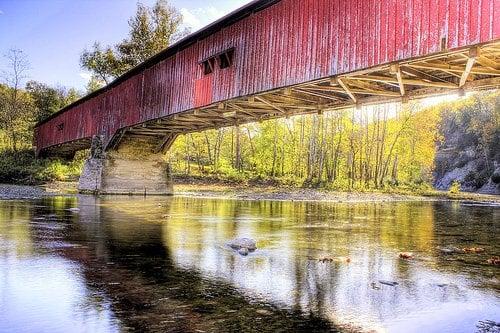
53 33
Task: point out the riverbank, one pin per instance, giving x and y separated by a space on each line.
263 192
253 192
200 188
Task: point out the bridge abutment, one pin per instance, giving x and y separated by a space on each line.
133 168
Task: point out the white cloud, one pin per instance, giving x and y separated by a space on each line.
86 76
1 12
190 19
199 17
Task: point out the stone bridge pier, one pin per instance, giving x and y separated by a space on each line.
133 167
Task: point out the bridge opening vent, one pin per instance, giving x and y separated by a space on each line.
226 59
208 66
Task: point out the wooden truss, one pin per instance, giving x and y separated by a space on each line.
469 69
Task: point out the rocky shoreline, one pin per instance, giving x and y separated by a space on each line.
18 192
240 192
280 194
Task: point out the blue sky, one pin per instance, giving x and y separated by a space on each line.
53 33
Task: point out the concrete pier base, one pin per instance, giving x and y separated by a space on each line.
132 169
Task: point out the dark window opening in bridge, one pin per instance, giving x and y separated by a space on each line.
60 127
208 66
226 59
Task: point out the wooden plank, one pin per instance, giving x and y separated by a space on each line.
379 78
456 69
346 89
263 100
397 71
473 54
316 94
421 75
487 62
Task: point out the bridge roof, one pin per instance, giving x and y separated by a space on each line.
229 19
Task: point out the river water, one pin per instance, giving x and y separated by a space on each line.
119 264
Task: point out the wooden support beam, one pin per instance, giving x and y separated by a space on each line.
487 62
293 98
365 91
117 139
316 94
456 69
166 143
421 75
397 71
381 78
229 114
263 100
473 54
241 110
347 90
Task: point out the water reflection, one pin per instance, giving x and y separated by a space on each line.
160 264
39 291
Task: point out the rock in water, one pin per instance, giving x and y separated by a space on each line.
243 251
389 283
406 255
450 250
243 245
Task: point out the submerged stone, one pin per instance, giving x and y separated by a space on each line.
388 283
450 250
243 245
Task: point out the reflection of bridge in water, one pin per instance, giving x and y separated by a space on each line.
275 59
169 260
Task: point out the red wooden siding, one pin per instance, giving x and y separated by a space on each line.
291 42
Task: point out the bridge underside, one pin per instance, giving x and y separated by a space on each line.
471 69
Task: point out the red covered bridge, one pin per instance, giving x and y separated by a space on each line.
275 58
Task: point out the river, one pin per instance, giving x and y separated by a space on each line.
120 264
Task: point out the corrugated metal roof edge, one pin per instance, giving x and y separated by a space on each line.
229 19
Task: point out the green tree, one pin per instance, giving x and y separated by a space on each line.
49 100
103 63
151 30
93 85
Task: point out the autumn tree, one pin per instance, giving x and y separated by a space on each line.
15 105
152 29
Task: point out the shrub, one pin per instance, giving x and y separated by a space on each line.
22 167
16 167
455 187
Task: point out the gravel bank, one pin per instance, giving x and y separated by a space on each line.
256 192
16 192
280 194
238 192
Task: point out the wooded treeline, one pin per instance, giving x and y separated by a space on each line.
348 149
372 147
21 106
